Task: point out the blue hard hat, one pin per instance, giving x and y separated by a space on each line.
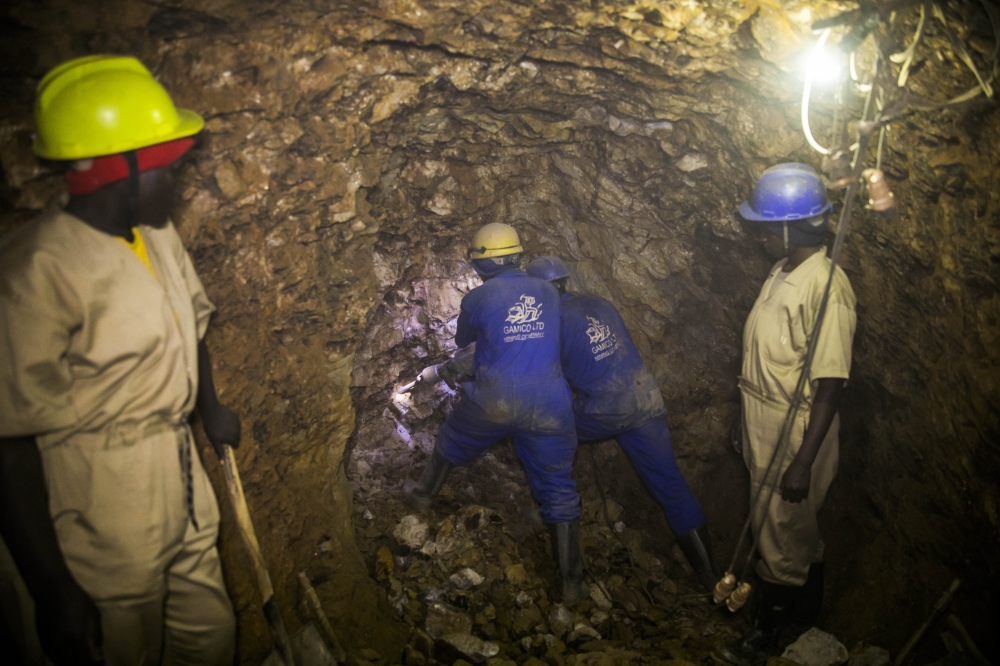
547 268
786 192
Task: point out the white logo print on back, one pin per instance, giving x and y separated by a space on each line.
522 320
604 342
597 332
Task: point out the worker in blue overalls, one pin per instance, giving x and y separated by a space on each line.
615 396
518 392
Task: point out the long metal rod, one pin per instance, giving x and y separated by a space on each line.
918 635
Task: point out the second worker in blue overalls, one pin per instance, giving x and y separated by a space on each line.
615 396
518 392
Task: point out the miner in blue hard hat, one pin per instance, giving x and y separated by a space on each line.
616 396
790 211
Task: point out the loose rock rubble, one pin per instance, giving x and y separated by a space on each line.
477 582
816 648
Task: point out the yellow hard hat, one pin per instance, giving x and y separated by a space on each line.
496 239
102 105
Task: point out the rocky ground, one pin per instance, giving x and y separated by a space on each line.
474 579
479 562
477 584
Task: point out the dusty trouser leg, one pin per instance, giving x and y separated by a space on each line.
547 449
465 435
118 503
788 534
649 448
200 625
17 615
810 603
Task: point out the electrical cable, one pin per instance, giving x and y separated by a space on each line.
961 51
806 91
864 112
906 56
881 142
918 103
863 87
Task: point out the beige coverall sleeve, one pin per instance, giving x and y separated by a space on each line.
37 317
203 308
833 351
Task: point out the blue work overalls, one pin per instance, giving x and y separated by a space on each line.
519 390
617 397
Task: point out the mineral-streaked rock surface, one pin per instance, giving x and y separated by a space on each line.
351 150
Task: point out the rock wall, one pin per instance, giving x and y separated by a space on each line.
350 152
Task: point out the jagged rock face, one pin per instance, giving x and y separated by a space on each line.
351 151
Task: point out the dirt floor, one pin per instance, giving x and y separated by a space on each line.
646 605
486 520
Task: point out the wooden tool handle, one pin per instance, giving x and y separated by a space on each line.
249 536
245 524
312 599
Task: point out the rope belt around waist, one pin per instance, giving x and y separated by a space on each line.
125 433
756 393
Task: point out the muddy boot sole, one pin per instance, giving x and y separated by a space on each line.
573 592
413 499
751 650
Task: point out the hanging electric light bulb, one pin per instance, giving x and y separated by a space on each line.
822 63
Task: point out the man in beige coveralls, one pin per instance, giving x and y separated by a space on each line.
104 505
790 207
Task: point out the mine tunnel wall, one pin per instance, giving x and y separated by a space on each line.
348 157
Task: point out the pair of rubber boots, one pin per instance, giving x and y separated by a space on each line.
780 614
565 536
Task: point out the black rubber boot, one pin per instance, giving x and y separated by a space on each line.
698 550
772 607
807 608
566 544
752 649
419 494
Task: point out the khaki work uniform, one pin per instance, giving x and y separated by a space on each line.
775 341
100 362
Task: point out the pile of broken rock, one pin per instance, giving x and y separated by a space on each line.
477 586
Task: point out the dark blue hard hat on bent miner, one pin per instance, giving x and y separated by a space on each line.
547 268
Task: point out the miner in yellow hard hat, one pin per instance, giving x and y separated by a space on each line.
105 508
519 392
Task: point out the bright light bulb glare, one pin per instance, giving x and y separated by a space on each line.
821 66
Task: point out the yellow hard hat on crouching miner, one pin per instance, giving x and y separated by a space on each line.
495 240
102 105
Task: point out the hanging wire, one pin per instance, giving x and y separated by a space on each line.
983 86
961 51
906 57
806 90
863 87
881 142
864 113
